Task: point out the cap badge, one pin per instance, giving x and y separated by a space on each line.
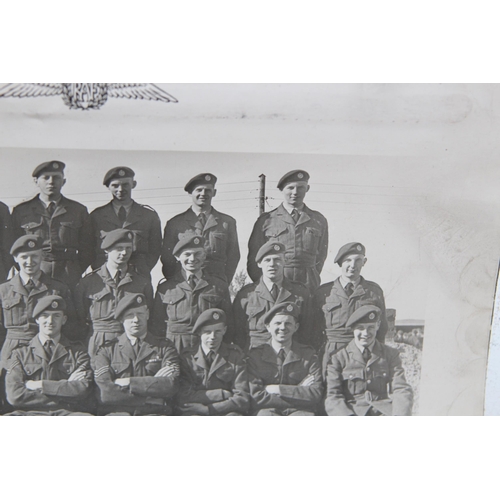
121 173
300 175
289 307
31 244
208 178
139 300
55 165
359 248
129 236
196 241
216 315
276 247
372 316
54 305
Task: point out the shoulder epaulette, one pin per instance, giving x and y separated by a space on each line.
149 208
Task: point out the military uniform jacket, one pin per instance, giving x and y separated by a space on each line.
332 307
142 220
97 295
354 386
6 240
306 243
253 302
300 362
223 251
31 362
221 387
177 307
145 392
64 234
17 306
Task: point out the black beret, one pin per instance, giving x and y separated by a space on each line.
288 308
200 179
26 243
209 317
49 166
117 236
130 301
117 173
364 314
273 247
51 303
348 249
194 241
293 176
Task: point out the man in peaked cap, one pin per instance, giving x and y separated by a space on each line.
303 231
99 292
334 302
255 300
284 375
218 229
60 222
137 373
5 241
122 212
214 377
366 377
19 295
181 299
51 375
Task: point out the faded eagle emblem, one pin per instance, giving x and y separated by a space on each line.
87 95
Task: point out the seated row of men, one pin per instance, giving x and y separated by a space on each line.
138 373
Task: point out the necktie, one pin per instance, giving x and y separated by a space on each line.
29 286
367 354
295 215
281 360
210 357
203 219
51 208
122 214
349 288
48 348
275 291
191 281
137 347
118 277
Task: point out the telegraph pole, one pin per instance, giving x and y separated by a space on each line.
262 193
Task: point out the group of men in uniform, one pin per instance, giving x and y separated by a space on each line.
105 344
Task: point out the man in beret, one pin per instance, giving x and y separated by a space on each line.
19 295
334 302
136 373
255 300
59 221
366 377
213 377
181 299
98 293
284 375
218 230
303 231
51 376
5 241
122 212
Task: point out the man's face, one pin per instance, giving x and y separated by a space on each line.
351 266
211 336
272 266
121 189
295 192
135 321
51 322
120 253
282 327
365 333
50 184
29 262
202 195
192 259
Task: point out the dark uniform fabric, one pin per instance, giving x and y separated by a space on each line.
306 244
252 303
300 362
17 325
142 220
6 240
146 393
221 387
221 243
332 307
58 395
357 387
96 298
177 307
65 240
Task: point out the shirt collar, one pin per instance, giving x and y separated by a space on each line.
205 351
269 284
133 340
290 208
197 210
47 203
362 348
277 347
25 278
112 273
186 274
344 282
117 206
43 338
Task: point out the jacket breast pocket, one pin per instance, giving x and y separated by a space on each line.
218 243
275 232
225 374
311 239
153 365
14 311
255 315
209 301
176 304
333 313
33 371
69 232
34 228
121 369
102 304
355 380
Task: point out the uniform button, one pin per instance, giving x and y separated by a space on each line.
385 374
368 369
368 381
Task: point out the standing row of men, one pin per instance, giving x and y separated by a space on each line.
122 242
